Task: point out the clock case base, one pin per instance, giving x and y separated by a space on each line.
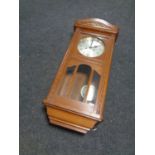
70 120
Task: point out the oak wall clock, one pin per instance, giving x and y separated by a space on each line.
76 98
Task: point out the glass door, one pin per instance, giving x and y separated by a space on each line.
80 83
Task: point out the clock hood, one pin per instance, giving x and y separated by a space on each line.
97 24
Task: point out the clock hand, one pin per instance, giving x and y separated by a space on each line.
93 47
91 43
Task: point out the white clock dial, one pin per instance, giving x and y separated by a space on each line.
91 47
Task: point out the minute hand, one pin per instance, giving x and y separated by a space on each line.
93 47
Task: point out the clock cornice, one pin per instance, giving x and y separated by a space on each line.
96 24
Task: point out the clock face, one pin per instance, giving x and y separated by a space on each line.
91 46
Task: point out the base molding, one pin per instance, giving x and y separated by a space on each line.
70 120
68 125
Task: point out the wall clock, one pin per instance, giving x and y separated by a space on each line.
76 98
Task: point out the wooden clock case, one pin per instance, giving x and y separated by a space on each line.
64 104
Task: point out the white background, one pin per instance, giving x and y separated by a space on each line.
9 77
145 77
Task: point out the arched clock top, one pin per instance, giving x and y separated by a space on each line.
96 24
